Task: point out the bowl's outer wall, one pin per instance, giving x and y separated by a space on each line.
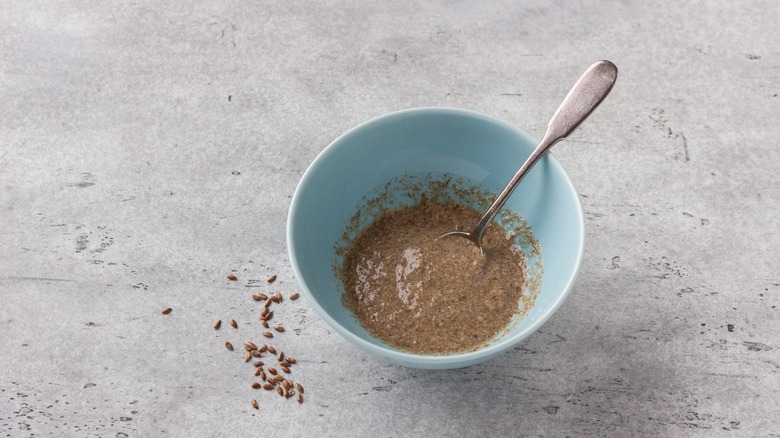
439 140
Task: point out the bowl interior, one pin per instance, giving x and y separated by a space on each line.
419 141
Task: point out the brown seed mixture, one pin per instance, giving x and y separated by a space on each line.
232 277
283 386
167 311
295 296
427 295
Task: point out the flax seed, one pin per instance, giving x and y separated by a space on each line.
295 296
229 346
262 375
259 363
255 353
258 370
279 328
264 322
254 404
290 393
271 279
272 371
300 398
285 369
232 277
250 346
277 297
271 350
286 392
268 316
262 297
268 302
257 297
167 311
279 390
218 324
247 356
268 386
287 383
284 363
262 348
290 359
233 323
299 388
268 334
256 385
280 356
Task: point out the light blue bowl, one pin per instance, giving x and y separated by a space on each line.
464 143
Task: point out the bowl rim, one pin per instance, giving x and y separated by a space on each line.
422 360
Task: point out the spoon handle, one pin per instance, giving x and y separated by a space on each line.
586 94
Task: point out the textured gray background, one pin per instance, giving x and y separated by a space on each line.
147 150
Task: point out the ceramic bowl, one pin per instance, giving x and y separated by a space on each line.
463 143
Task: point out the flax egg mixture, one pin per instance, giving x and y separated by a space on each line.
429 295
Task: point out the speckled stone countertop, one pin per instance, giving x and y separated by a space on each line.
149 148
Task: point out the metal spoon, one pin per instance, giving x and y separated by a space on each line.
589 91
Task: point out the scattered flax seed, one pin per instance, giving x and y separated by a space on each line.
280 356
259 363
279 328
284 363
287 383
258 371
286 392
167 311
272 371
262 348
233 323
256 353
290 393
285 369
232 277
277 297
290 359
271 350
247 356
218 324
268 386
271 279
268 316
255 404
264 322
299 388
268 302
300 397
264 312
262 297
268 334
263 376
257 297
295 296
279 390
250 346
256 385
229 346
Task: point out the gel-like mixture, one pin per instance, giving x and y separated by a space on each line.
427 295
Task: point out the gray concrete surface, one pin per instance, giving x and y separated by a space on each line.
148 149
